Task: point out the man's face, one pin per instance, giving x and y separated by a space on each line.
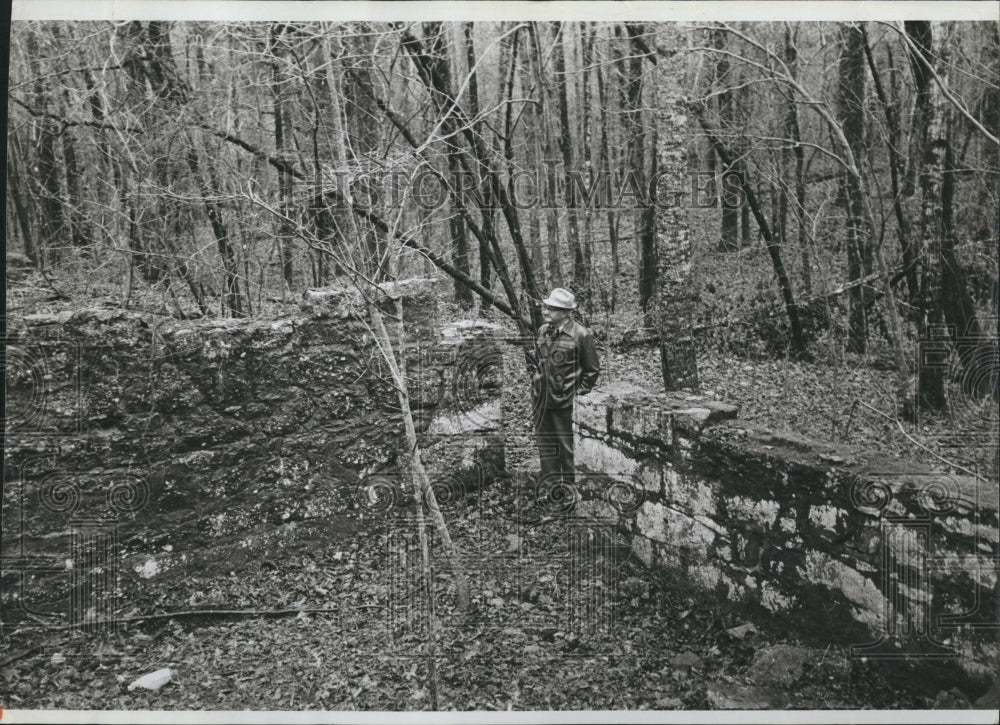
554 315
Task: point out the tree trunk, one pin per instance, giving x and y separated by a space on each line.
285 229
534 159
548 161
587 58
459 238
51 223
566 142
804 239
234 299
605 168
977 354
729 233
15 191
850 111
895 163
675 298
642 146
74 198
927 165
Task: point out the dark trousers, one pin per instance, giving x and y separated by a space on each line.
554 436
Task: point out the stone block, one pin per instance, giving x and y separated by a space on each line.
682 530
649 478
591 415
651 520
643 548
759 511
641 416
694 495
720 410
460 330
773 599
825 517
859 590
601 457
704 575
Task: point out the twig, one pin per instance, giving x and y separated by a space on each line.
19 655
59 295
223 613
918 443
850 419
821 659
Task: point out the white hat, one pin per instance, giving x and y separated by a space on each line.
561 298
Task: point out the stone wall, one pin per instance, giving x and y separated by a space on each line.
200 436
836 545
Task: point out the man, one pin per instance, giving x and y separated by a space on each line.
567 366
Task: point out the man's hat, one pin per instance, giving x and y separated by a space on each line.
561 298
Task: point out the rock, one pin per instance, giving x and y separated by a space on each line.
990 700
686 659
780 664
742 630
953 699
153 681
720 410
740 697
669 703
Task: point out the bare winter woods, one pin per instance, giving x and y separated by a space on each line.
840 197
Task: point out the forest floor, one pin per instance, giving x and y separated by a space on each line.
651 644
643 645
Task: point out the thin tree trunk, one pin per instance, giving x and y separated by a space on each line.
423 492
51 224
729 232
791 131
533 160
456 119
643 150
74 198
552 231
285 232
233 297
566 142
895 162
976 354
605 168
850 108
587 57
16 193
773 248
